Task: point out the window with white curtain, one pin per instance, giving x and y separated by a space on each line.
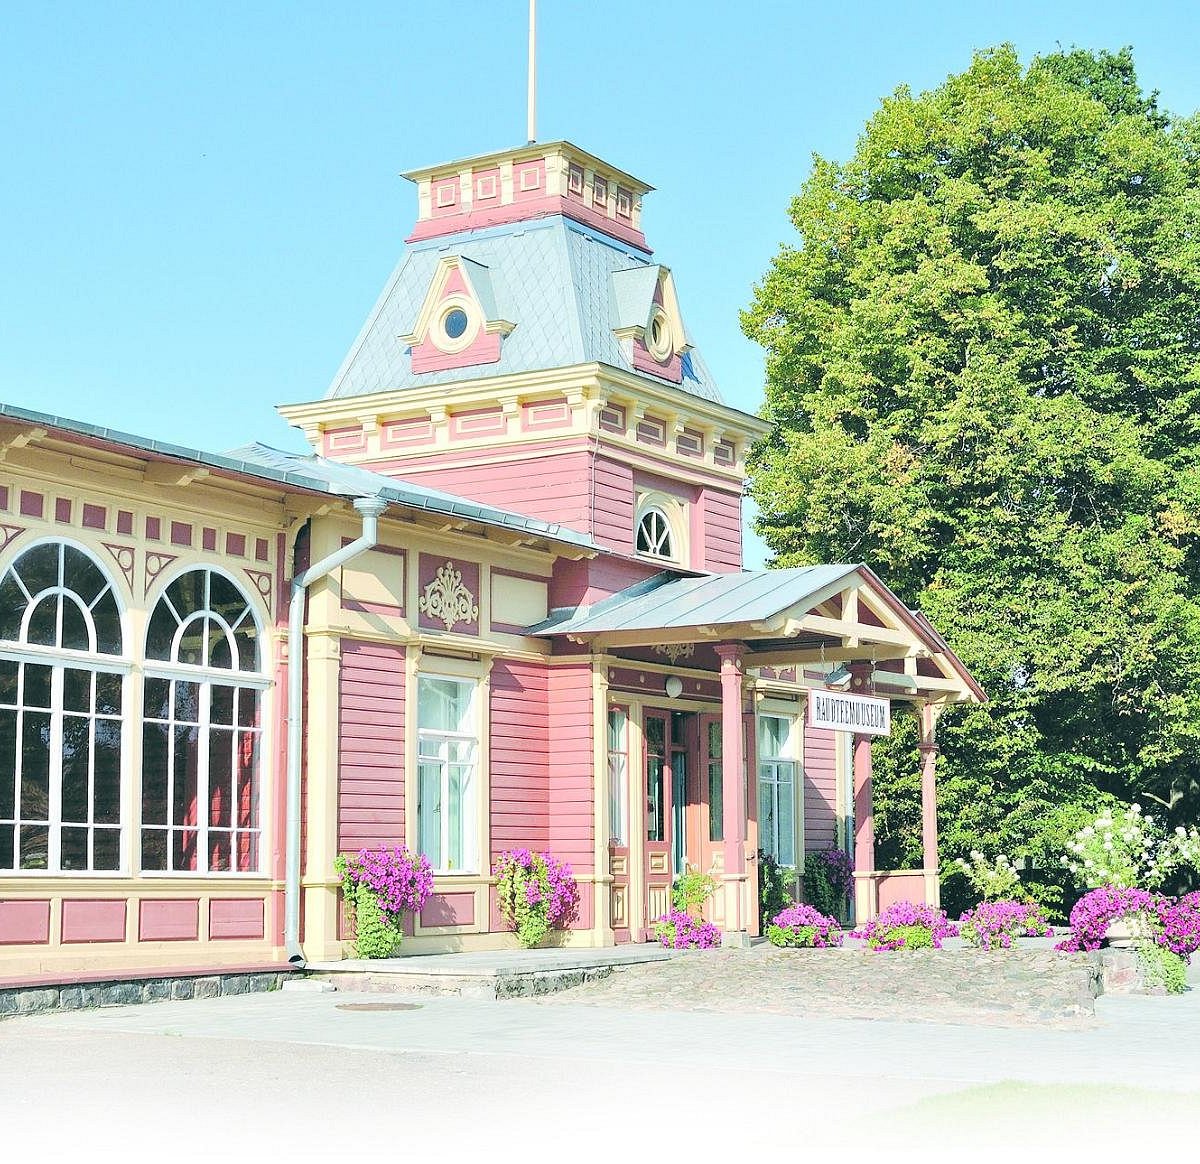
618 775
61 705
201 730
447 762
777 788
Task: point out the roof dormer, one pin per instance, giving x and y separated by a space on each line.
459 324
647 321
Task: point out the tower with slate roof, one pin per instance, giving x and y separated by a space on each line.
530 352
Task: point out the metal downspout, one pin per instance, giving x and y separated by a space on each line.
370 509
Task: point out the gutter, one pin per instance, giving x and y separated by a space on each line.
370 509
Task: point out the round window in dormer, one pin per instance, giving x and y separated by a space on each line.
456 325
658 336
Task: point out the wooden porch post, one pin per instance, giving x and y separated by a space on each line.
929 829
735 883
866 903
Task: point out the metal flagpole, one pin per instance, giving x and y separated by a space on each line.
531 123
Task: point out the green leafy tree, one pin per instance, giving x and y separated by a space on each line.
983 362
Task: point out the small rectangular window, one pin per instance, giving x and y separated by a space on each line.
652 430
723 453
612 418
599 192
624 202
575 180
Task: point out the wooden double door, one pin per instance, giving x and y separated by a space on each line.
681 781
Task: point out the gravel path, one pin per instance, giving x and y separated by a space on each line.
1011 988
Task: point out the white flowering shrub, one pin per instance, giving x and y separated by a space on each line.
1187 847
995 880
1130 849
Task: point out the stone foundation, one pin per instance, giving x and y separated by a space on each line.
19 1000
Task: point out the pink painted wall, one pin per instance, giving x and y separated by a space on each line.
169 921
85 920
894 887
613 504
571 796
519 756
235 917
371 746
551 488
452 219
23 922
669 369
820 789
449 909
582 583
483 349
722 524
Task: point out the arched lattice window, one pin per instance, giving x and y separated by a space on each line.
61 704
655 536
201 729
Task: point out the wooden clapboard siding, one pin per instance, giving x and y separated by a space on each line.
370 745
612 505
572 804
554 488
722 530
519 752
820 788
593 579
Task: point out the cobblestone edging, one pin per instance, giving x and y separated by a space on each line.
1009 988
548 981
21 1000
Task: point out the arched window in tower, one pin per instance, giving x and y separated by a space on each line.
202 729
61 706
655 537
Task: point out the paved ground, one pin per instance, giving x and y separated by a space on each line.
537 1079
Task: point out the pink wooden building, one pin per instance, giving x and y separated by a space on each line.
499 604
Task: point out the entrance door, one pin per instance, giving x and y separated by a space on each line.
670 744
657 783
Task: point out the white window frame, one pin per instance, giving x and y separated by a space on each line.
618 777
206 678
775 772
674 516
433 748
59 660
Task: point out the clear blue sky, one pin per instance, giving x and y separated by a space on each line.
200 202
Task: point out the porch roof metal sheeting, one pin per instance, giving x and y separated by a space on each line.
311 473
670 602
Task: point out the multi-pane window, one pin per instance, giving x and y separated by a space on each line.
654 730
716 777
447 759
777 788
654 537
201 730
618 775
61 696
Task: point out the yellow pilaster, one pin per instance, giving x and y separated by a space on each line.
321 732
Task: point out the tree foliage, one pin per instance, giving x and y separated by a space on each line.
983 360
